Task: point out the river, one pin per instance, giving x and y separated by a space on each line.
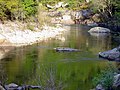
34 65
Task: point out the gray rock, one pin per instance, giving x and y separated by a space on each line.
116 82
82 14
99 30
62 49
99 87
113 54
11 86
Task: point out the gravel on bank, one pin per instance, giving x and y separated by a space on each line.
12 34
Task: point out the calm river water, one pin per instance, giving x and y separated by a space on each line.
39 63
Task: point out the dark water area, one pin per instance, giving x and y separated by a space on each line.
34 65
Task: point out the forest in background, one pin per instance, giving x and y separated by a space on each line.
26 9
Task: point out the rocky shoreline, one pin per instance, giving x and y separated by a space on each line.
12 34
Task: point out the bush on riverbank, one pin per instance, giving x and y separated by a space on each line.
17 9
105 78
107 8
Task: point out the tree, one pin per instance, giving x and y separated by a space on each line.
106 7
8 8
17 9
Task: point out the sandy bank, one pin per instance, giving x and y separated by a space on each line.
13 34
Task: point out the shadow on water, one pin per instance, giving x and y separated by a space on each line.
75 69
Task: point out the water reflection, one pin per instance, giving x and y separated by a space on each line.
83 40
21 65
77 69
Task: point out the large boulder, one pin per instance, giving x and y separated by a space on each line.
113 54
99 30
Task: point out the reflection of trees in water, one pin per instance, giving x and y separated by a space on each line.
19 66
48 77
3 75
83 40
101 43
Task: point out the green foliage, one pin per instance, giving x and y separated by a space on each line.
29 7
105 78
8 8
17 9
75 4
106 7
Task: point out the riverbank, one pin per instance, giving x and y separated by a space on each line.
20 34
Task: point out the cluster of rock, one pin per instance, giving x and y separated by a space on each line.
16 36
14 86
75 17
65 16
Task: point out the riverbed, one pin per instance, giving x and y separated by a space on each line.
35 64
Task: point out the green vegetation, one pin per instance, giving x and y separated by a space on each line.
107 8
17 9
105 78
25 9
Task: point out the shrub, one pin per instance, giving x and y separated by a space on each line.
105 78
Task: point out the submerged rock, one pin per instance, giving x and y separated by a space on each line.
62 49
113 54
99 30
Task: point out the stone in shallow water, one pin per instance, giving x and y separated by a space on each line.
99 30
62 49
